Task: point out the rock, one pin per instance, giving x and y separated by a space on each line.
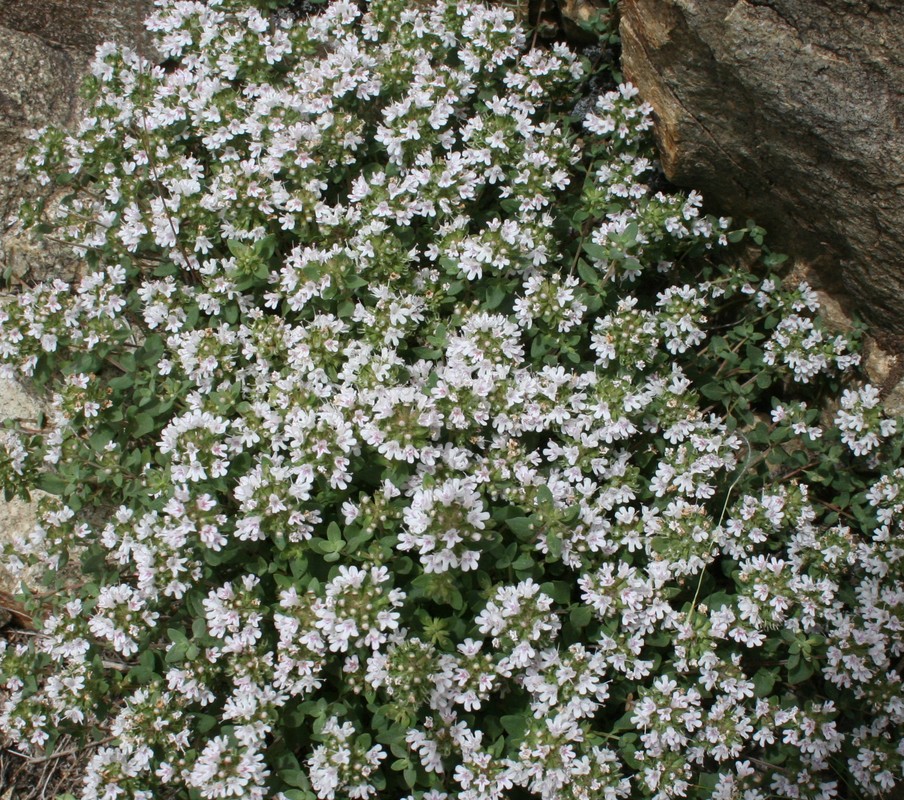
45 49
577 22
15 403
79 25
789 112
38 89
15 516
584 21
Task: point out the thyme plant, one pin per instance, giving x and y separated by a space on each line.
405 442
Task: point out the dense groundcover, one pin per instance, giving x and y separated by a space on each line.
405 442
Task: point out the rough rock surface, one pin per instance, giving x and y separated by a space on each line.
16 515
45 48
790 112
80 25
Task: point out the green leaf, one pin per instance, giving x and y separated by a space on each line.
192 315
495 296
151 351
560 591
325 546
524 561
299 794
801 672
515 725
628 751
205 723
295 777
224 556
763 681
176 653
141 425
265 247
121 383
524 528
427 353
581 616
100 438
239 249
176 636
588 274
596 251
165 270
544 495
713 391
52 484
410 776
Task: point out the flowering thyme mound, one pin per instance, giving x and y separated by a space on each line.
411 446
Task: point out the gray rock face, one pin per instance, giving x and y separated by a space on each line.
45 49
38 89
15 516
79 25
790 112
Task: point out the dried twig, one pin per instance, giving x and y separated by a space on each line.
34 779
22 618
74 751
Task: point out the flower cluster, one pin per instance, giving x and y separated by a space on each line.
860 420
342 764
409 442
